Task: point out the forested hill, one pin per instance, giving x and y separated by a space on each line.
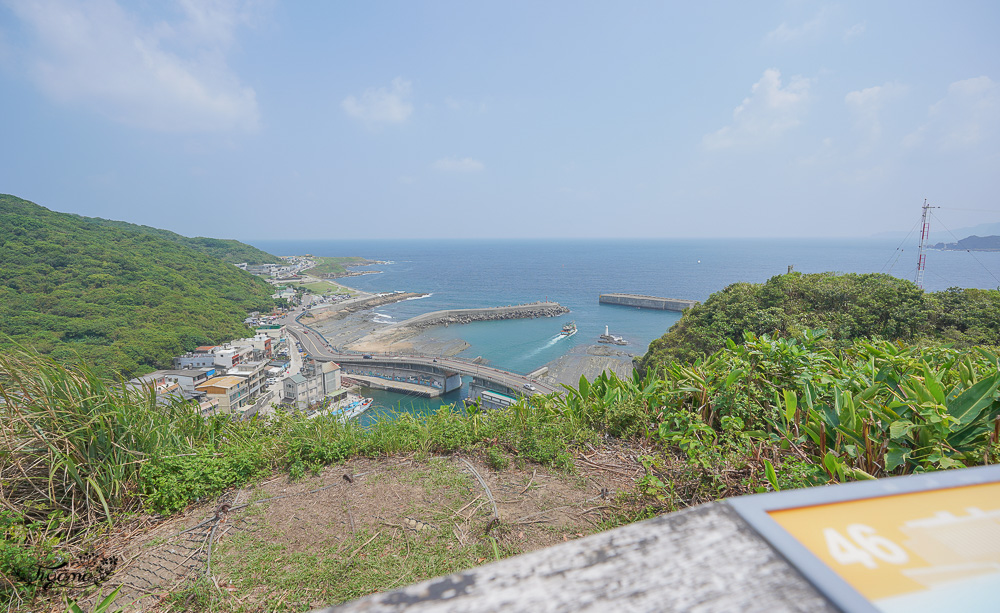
123 297
848 307
227 250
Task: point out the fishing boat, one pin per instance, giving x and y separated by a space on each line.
611 339
569 329
353 407
356 408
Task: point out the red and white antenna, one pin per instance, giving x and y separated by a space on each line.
925 230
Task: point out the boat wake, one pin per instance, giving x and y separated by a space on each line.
552 341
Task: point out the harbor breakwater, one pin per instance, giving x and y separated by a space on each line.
647 302
465 316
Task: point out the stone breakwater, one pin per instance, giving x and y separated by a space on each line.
407 336
464 316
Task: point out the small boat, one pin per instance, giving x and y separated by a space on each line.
569 329
344 412
611 339
357 408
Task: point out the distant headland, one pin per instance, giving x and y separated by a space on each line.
972 243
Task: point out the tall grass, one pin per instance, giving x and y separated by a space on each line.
74 443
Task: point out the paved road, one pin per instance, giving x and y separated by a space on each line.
314 345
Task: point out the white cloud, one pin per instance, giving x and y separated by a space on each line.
855 31
458 165
381 105
785 33
967 116
866 105
164 76
769 111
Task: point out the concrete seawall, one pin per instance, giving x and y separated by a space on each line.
647 302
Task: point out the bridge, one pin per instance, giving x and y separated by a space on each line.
428 376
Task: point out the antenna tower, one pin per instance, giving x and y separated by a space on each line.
925 230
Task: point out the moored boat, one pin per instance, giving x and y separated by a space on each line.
346 410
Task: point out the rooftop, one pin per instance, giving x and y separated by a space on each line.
224 381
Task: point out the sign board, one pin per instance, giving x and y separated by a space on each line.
928 542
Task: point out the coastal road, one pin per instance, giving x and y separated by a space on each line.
316 346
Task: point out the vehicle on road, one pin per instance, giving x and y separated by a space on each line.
366 357
529 386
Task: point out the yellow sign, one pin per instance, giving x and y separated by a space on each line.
937 546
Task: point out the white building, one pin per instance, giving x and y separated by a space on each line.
317 381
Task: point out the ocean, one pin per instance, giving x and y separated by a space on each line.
479 273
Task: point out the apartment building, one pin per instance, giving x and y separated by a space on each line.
232 393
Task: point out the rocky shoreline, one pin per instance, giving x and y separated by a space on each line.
359 304
350 273
589 361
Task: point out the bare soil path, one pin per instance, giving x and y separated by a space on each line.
360 527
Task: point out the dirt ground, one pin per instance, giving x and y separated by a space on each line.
362 507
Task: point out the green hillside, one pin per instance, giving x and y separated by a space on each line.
848 307
119 296
227 250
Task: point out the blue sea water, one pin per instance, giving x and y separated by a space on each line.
480 273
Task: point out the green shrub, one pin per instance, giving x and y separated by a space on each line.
496 459
170 483
448 429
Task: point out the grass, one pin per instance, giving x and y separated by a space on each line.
376 558
370 561
334 266
79 453
75 444
325 288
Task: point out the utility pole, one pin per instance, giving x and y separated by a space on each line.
925 230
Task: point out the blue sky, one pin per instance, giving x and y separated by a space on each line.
505 119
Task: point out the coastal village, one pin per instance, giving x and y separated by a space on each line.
257 374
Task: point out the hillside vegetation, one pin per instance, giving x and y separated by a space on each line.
225 249
327 267
122 297
765 415
848 307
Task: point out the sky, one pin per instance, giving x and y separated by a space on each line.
521 119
